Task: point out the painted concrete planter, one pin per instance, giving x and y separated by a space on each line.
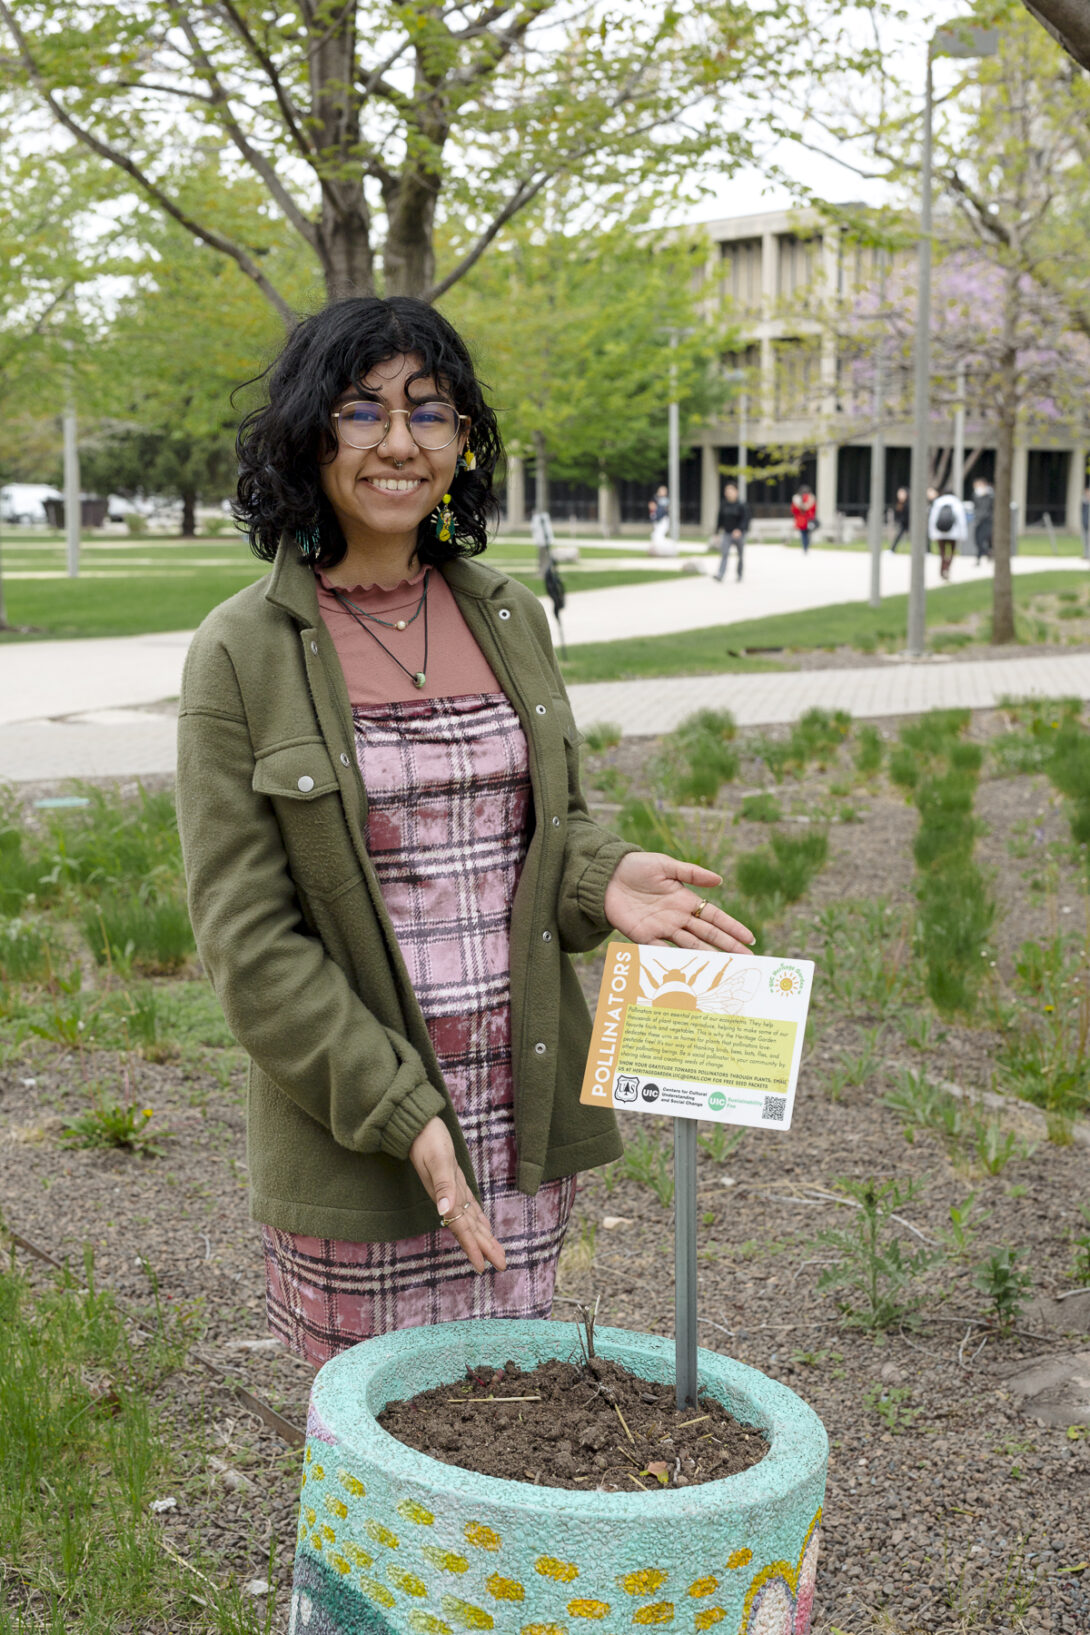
392 1542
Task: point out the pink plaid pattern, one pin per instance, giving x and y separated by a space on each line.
448 794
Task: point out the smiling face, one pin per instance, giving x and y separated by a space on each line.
380 495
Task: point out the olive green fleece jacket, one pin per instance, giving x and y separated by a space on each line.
293 932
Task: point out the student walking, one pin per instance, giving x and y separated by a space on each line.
733 525
948 527
658 509
804 515
983 518
901 517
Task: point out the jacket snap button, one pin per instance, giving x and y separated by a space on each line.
505 612
546 936
344 759
556 823
306 784
314 647
541 709
539 1048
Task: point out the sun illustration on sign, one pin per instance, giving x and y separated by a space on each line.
720 993
785 981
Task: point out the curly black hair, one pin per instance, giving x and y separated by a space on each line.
281 445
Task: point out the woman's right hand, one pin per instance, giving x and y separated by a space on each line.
432 1157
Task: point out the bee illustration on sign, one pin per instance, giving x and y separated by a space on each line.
626 1088
726 993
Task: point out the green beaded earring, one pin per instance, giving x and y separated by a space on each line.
309 541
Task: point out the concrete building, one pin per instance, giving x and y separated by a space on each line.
786 277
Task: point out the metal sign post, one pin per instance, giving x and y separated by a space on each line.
685 1259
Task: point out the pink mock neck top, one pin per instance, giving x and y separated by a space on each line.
455 666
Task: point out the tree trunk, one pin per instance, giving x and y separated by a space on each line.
344 224
189 514
408 257
541 473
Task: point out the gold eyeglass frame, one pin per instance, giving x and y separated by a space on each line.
431 448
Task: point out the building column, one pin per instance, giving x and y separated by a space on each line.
516 492
1076 482
826 489
709 487
770 274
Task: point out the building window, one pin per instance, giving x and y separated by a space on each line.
797 268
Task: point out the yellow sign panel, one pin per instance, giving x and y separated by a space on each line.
699 1035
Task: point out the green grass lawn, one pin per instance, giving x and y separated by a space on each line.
129 587
717 649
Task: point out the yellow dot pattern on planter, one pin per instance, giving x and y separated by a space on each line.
376 1591
411 1511
466 1615
317 1540
482 1537
589 1609
359 1557
562 1571
704 1586
428 1624
446 1560
312 1517
336 1507
381 1535
710 1616
343 1567
542 1629
350 1483
327 1533
644 1582
740 1558
318 1473
407 1583
661 1612
505 1589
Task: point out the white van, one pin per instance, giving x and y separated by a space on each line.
25 502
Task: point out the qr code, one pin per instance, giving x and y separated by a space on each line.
775 1107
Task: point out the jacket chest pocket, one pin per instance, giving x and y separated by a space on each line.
302 785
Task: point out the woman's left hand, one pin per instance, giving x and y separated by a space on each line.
652 898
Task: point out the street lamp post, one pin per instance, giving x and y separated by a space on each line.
673 472
878 449
954 40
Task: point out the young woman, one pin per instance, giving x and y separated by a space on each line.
389 856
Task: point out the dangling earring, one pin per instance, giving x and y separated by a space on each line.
309 541
445 526
467 461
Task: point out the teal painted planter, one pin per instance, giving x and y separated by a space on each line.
392 1542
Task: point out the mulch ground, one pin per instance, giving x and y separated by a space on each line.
947 1508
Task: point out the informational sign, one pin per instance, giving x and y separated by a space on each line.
689 1034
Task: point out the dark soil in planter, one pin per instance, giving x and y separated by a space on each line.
591 1427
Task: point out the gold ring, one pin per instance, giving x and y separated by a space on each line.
445 1220
700 907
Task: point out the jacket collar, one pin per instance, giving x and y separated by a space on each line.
292 587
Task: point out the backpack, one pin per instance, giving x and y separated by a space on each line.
947 517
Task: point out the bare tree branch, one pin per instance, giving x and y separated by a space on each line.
258 161
292 117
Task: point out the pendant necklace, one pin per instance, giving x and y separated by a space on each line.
418 678
390 624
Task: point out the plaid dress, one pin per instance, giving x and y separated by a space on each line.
448 795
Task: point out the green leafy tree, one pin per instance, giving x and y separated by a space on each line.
190 332
587 336
365 123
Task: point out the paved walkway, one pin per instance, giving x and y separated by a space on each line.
95 708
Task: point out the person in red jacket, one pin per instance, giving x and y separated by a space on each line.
804 513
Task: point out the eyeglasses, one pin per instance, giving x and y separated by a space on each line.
366 425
